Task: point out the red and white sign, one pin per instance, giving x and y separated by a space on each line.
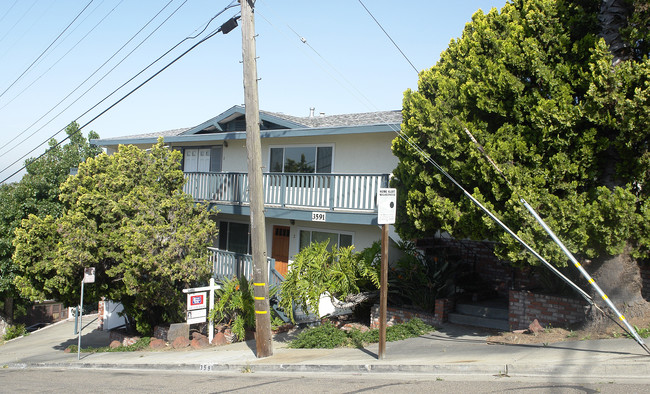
197 301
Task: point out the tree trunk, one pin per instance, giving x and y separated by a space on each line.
8 313
620 278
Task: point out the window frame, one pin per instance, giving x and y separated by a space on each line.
316 146
214 166
322 230
228 232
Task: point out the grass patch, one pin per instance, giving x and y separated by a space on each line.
141 344
644 332
327 336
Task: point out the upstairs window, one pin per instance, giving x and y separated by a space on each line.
302 159
202 159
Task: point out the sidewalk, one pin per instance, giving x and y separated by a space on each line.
453 350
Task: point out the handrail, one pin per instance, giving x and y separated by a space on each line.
226 264
319 191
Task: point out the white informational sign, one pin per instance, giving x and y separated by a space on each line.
89 275
386 206
197 301
197 316
318 217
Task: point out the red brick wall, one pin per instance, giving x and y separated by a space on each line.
524 307
400 315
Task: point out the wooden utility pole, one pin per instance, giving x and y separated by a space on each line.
254 152
383 292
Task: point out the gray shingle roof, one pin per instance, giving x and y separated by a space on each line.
166 133
359 119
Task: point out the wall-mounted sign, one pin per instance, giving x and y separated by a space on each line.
318 217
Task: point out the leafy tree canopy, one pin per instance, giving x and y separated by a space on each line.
125 215
536 86
37 193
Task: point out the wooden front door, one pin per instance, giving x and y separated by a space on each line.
280 249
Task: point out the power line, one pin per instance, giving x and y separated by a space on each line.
387 35
210 35
57 62
8 11
17 20
46 49
92 74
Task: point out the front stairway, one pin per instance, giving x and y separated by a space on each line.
487 314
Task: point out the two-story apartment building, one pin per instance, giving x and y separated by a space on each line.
321 176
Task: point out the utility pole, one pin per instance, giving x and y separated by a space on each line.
254 152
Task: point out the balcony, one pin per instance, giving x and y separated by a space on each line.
348 193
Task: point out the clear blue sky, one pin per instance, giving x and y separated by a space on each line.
348 64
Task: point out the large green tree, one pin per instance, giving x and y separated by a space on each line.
537 85
127 216
37 193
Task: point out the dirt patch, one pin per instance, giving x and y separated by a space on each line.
556 334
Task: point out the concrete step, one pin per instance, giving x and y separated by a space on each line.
496 312
478 321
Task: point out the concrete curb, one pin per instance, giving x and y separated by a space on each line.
605 372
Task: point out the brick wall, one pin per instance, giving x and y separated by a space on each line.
498 276
525 306
400 315
645 278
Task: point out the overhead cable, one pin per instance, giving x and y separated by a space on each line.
210 35
46 49
92 74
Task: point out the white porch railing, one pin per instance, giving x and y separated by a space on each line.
323 191
231 265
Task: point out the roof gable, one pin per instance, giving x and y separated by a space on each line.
234 119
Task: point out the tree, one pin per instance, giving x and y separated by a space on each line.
537 87
36 193
125 215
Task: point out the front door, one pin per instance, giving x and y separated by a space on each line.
280 249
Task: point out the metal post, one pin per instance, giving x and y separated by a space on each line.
586 275
211 307
383 292
81 327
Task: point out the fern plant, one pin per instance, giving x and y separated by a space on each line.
235 306
318 269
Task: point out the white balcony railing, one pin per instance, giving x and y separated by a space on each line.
322 191
231 265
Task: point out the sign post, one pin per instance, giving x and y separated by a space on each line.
89 277
197 302
386 212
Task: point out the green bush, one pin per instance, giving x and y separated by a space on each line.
419 280
319 268
327 336
14 332
235 306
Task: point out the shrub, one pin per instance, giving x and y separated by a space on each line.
419 280
15 331
235 306
327 336
318 268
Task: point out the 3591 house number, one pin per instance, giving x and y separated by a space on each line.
318 217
